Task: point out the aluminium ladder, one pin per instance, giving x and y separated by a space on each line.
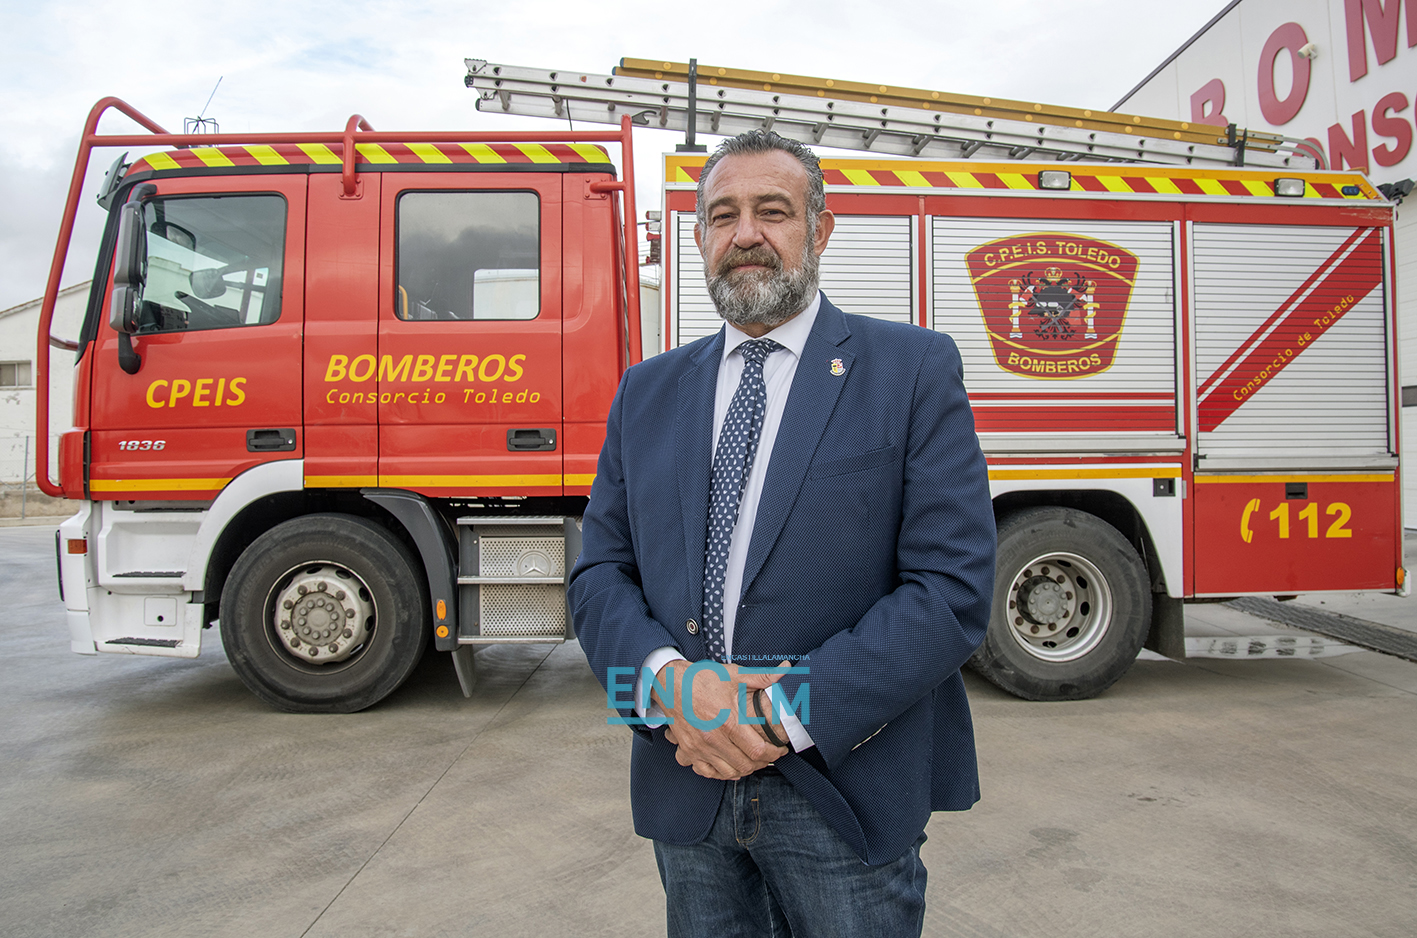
874 118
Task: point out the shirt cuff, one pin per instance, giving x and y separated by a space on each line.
655 660
797 734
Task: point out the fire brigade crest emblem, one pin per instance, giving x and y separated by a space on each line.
1053 303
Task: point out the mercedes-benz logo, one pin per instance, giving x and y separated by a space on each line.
533 563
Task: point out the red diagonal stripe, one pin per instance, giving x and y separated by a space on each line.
1283 308
1346 284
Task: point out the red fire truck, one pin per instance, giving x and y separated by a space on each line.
338 393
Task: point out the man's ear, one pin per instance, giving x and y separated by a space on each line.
826 224
698 238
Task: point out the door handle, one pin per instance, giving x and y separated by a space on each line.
270 441
535 440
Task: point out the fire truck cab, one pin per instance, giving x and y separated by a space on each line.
340 402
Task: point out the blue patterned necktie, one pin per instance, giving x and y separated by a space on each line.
737 444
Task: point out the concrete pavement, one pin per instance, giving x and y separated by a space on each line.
144 796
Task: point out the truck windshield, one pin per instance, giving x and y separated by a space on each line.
212 262
468 255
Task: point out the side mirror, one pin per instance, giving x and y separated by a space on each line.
207 283
129 270
123 314
131 255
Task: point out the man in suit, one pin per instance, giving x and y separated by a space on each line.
804 487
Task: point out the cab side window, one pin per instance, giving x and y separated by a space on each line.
468 256
212 262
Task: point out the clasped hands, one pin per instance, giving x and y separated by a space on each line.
730 750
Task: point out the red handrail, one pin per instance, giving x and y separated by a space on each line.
56 273
356 130
355 122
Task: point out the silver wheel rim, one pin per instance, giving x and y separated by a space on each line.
1059 606
321 613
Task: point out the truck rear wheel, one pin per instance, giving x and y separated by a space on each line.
1072 606
324 614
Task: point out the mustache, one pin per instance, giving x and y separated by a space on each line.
739 257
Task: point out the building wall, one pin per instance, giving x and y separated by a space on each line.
19 331
1353 96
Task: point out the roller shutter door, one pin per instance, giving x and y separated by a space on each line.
694 315
1291 349
866 266
865 269
1051 368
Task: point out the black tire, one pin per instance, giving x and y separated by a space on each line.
355 625
1072 606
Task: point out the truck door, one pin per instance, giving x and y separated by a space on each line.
469 361
1295 482
218 338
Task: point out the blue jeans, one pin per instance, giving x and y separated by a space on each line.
771 866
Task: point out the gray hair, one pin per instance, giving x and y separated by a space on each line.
765 141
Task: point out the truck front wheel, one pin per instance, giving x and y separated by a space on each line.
324 614
1072 606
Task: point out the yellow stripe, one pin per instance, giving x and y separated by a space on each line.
965 180
429 153
1310 192
1211 187
266 156
680 175
156 485
1017 181
212 156
483 153
1114 184
591 153
580 479
1258 188
1164 186
1232 480
536 152
373 153
910 177
340 482
453 482
319 153
860 177
1157 472
162 161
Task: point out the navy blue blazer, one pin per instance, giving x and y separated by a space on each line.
872 554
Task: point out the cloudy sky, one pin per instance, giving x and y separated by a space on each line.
293 65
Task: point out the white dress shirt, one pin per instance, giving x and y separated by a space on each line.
778 372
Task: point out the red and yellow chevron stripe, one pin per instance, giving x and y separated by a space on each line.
372 153
1114 178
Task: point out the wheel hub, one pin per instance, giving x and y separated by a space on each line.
323 614
1059 607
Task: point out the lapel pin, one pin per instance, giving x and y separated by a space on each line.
838 368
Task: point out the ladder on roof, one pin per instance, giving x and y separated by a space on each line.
875 118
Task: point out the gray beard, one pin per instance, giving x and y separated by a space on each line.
766 298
